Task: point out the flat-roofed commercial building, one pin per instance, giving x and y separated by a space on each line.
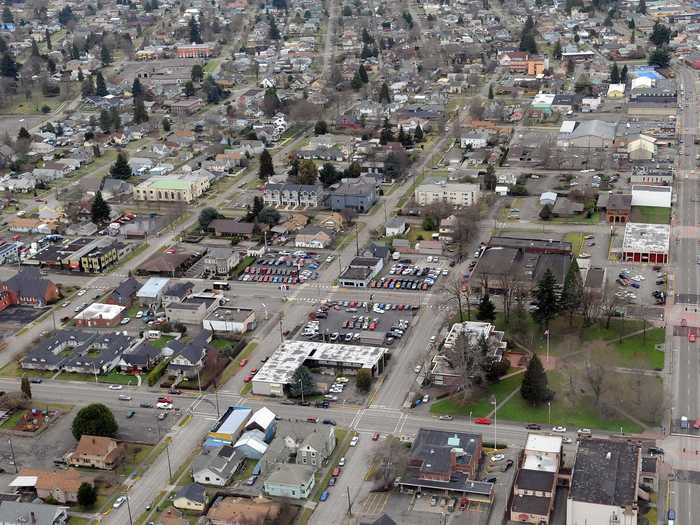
171 189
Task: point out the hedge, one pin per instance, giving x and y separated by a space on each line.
154 375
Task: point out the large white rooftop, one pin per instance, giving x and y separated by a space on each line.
290 355
651 238
101 311
540 443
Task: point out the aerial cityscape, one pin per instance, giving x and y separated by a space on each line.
351 262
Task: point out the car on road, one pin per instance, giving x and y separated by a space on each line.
162 416
498 457
426 398
81 292
445 418
126 320
124 397
131 414
146 404
417 369
115 387
559 429
656 451
533 426
248 378
329 422
691 337
482 421
36 380
508 464
164 406
341 462
118 502
175 392
491 480
354 441
243 362
324 495
312 419
337 471
584 432
65 303
331 482
567 440
330 258
375 436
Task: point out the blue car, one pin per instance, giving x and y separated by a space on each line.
324 495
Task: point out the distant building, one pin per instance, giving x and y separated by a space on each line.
646 243
171 189
457 194
195 50
27 287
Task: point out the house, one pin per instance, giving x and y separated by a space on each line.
355 194
140 358
98 452
232 228
177 291
317 447
474 139
290 481
60 485
395 227
21 513
548 198
565 207
124 294
183 188
229 426
231 319
313 236
616 90
188 360
216 465
604 483
24 225
226 510
27 287
221 261
192 497
251 444
447 228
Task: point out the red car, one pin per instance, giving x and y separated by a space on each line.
482 421
248 378
243 362
691 337
375 436
164 399
253 371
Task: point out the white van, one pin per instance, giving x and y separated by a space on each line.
153 334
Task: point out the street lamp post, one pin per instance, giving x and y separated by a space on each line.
549 412
301 385
12 451
495 422
128 507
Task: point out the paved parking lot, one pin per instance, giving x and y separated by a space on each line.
144 426
412 274
15 317
283 268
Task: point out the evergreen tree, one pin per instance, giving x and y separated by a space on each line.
490 91
302 383
487 310
321 127
572 292
660 57
7 16
418 134
614 74
401 136
189 89
308 172
23 134
26 387
87 495
546 299
213 90
3 45
386 135
105 55
100 210
623 74
8 66
329 175
197 73
267 168
140 113
115 118
166 124
274 33
356 82
136 88
81 77
384 95
556 51
642 7
534 387
362 73
528 43
105 121
120 169
490 179
570 67
100 85
47 38
195 34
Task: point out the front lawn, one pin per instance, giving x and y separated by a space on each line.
481 407
640 351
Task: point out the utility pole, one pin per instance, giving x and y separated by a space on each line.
128 507
12 451
167 453
349 503
357 241
301 384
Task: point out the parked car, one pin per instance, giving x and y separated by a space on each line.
533 426
324 495
446 418
482 421
341 462
559 429
354 441
312 419
131 414
498 457
119 502
115 387
508 464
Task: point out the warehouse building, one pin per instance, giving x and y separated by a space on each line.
646 243
277 372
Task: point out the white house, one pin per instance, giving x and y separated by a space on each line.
548 197
395 227
474 139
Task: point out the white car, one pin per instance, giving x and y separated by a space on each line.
65 303
124 397
126 320
139 314
559 429
330 258
498 457
164 406
584 432
341 463
445 418
119 502
417 369
354 441
115 387
81 292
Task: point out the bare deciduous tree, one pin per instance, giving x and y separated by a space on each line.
596 377
452 290
389 460
470 360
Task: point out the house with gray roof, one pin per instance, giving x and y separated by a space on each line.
216 465
317 446
355 194
290 481
188 359
22 513
191 497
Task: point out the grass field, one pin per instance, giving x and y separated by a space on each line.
576 239
640 351
651 214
